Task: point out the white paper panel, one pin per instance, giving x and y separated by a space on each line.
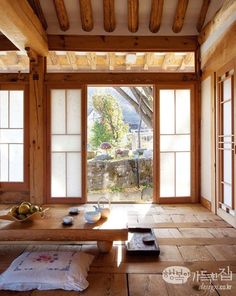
73 111
58 175
206 142
183 174
16 165
58 119
175 143
227 195
11 136
3 109
227 123
66 143
167 175
16 109
227 166
167 111
3 162
74 175
227 89
183 111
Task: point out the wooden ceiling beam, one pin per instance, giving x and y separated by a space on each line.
109 18
86 15
133 15
36 6
6 44
22 27
62 15
122 43
156 15
219 18
180 15
202 15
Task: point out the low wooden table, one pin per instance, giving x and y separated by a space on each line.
50 228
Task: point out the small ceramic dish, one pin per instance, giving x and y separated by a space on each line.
73 211
92 216
67 220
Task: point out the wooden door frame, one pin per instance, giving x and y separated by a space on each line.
195 143
222 213
70 200
18 187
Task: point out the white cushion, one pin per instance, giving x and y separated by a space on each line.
46 271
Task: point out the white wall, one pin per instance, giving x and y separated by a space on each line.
206 139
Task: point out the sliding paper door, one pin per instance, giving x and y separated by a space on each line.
66 144
175 138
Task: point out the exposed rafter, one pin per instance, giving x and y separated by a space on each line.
92 60
202 15
148 60
62 15
19 24
180 15
109 18
111 60
72 60
186 61
168 59
156 15
36 6
219 18
86 15
133 15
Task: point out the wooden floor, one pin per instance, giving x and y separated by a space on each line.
189 235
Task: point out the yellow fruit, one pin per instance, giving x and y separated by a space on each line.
34 208
14 211
24 209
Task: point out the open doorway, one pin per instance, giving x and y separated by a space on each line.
120 143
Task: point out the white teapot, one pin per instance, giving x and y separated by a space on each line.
104 210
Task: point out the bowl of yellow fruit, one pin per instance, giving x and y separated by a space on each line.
25 211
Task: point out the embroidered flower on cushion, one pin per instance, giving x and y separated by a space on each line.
46 258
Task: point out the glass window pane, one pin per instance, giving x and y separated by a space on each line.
167 175
58 175
58 119
16 166
227 166
182 111
183 174
227 122
227 89
4 163
73 174
73 109
3 109
167 110
66 143
16 109
11 136
227 194
175 143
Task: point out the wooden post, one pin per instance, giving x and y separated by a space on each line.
36 114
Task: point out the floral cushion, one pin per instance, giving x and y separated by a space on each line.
46 271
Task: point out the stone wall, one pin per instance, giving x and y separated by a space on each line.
121 173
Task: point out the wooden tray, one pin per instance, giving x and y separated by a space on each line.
142 241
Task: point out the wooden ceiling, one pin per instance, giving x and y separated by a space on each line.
124 17
70 61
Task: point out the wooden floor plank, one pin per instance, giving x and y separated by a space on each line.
181 218
195 253
223 232
220 224
145 285
195 232
167 233
223 252
170 253
196 241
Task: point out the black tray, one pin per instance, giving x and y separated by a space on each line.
136 245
